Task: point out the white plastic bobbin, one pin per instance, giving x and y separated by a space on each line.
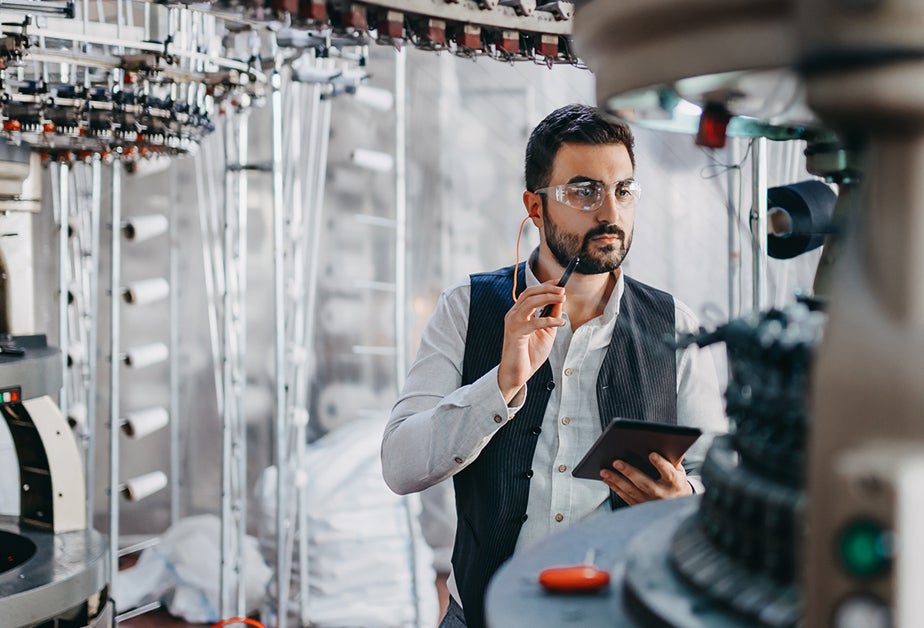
139 423
146 355
375 97
140 487
146 291
374 160
140 228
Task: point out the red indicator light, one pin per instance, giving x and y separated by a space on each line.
14 395
712 126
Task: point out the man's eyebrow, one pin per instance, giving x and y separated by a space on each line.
582 179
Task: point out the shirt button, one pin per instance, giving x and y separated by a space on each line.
458 459
562 468
565 420
529 474
550 386
536 431
498 418
559 517
568 372
524 517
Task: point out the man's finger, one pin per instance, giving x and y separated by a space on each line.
638 477
662 464
621 486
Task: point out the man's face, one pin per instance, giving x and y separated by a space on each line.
601 237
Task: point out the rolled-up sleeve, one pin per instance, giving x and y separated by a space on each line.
699 398
438 427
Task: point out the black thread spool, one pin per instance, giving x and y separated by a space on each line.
809 205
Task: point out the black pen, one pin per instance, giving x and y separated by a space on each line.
547 310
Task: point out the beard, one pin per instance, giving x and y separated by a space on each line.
564 246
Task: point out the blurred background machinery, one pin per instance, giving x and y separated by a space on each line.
795 70
248 210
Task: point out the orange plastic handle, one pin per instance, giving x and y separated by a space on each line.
575 579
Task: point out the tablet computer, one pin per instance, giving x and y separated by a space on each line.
632 441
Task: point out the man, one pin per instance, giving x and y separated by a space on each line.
506 402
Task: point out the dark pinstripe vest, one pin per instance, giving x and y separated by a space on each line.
637 380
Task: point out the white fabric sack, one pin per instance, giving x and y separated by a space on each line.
367 560
183 572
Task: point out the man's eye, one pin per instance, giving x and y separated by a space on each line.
623 192
583 191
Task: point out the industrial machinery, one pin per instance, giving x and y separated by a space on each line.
857 63
54 566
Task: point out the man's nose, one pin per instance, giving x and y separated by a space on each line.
611 208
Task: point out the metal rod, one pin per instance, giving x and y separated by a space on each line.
400 217
135 612
92 335
282 571
293 107
174 273
207 211
317 205
240 371
400 321
228 406
318 131
733 183
759 222
139 546
115 281
62 198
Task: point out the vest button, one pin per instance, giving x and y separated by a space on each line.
458 459
529 474
550 386
498 418
559 517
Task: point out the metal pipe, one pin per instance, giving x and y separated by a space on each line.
115 281
317 205
400 321
92 335
759 222
311 242
225 580
400 216
137 612
732 198
240 372
61 200
206 203
174 274
282 571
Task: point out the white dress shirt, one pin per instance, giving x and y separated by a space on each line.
438 427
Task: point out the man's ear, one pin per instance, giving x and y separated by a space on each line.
533 204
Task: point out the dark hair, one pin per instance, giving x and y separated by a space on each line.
575 124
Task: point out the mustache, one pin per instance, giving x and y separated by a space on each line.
604 230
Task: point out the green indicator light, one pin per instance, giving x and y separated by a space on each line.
865 549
